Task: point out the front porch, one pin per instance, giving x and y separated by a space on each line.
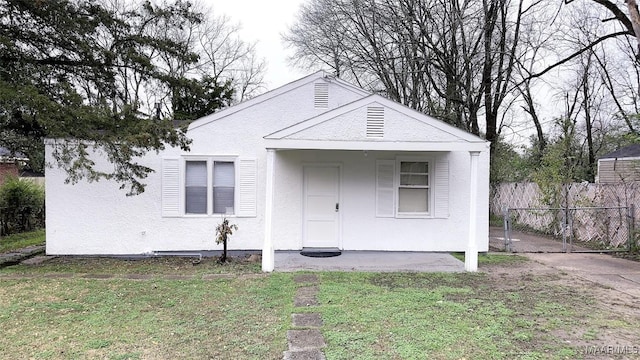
356 219
370 261
375 176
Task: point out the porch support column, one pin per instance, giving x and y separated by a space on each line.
267 248
471 254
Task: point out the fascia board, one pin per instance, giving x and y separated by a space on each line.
288 144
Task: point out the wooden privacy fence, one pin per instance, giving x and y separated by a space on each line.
594 213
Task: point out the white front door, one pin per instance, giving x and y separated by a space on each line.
321 206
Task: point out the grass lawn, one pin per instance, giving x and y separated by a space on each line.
493 258
18 241
244 317
505 313
449 316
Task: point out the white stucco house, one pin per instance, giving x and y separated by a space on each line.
315 163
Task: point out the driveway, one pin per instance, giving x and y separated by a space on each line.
522 242
615 273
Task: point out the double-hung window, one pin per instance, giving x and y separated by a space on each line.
414 188
209 187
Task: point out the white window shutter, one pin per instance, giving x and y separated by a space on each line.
247 183
385 191
441 189
170 187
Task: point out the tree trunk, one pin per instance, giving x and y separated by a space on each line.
224 250
635 21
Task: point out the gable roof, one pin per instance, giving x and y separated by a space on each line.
273 93
625 152
344 128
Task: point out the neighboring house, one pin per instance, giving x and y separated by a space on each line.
33 176
622 165
9 164
315 163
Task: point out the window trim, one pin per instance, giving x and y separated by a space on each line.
430 188
209 159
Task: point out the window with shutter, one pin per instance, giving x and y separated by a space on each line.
212 185
412 188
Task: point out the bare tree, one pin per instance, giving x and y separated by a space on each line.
227 58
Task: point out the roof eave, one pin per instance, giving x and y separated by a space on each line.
294 144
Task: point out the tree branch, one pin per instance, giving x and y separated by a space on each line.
575 54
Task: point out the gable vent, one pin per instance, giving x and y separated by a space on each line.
375 122
321 96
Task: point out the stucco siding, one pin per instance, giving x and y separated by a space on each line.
353 125
98 218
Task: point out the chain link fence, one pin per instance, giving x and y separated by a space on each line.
591 216
574 229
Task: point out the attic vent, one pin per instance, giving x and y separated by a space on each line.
321 96
375 122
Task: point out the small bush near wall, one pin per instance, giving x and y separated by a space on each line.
21 206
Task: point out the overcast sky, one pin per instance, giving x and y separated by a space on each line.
264 21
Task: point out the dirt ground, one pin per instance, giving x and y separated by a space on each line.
609 285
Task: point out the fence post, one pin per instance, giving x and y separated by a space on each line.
507 227
631 220
565 220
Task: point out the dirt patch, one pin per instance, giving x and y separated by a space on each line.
609 315
306 278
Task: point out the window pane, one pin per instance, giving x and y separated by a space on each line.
414 167
223 187
414 179
223 200
413 200
196 187
196 199
223 174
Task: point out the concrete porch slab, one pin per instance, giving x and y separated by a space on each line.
370 261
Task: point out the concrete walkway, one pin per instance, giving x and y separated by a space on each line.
619 274
305 340
374 261
17 256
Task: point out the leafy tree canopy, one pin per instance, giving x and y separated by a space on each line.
90 72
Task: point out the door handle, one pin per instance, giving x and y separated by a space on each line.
337 207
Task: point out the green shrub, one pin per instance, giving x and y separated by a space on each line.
21 206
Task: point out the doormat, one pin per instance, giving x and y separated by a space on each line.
320 253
